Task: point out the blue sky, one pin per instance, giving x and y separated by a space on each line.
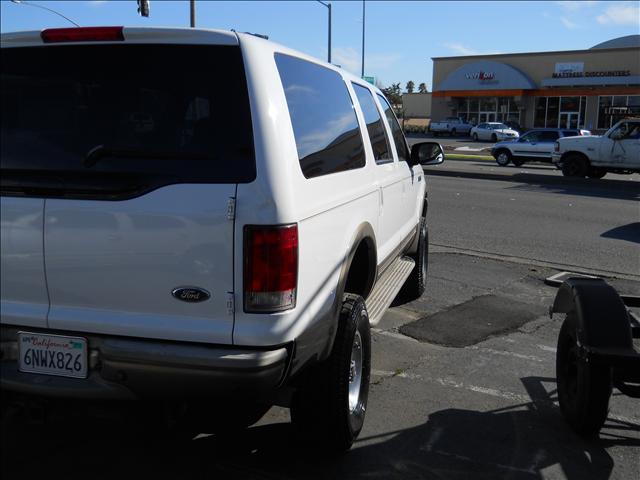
401 37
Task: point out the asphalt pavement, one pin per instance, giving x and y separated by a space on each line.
534 214
463 381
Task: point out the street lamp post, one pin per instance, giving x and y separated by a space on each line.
192 9
22 2
362 73
328 5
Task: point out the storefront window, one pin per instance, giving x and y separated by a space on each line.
541 112
569 104
612 109
474 105
488 104
553 112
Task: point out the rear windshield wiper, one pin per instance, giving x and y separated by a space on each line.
99 152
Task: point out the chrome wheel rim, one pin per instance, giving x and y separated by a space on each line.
355 372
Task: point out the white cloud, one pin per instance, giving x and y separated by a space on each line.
464 50
568 23
351 59
621 14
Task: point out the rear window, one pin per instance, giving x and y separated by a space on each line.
112 121
324 121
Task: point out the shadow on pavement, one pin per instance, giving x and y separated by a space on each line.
616 189
629 232
526 441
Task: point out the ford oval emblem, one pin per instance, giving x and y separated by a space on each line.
191 294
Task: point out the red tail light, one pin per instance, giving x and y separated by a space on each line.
270 267
82 34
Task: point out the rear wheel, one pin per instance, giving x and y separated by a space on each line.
503 158
329 407
583 388
595 172
475 137
453 132
575 166
518 162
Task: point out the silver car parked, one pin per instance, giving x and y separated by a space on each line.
535 145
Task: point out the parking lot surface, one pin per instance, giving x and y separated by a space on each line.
463 380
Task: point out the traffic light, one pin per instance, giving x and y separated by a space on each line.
143 8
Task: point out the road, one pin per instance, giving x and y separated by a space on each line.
534 213
463 379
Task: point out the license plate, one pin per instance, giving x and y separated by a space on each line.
52 355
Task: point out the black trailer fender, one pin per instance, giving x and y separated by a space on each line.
603 320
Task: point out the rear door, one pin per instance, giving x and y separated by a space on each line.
388 174
137 150
23 289
546 141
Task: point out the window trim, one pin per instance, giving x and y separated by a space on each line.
379 98
382 116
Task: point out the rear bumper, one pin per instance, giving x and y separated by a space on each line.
131 368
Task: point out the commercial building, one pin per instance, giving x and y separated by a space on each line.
589 89
416 105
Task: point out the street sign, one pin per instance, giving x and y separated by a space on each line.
371 80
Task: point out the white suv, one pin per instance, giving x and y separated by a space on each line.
201 218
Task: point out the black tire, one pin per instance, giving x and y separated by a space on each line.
320 410
595 172
583 388
474 136
415 284
518 162
503 157
575 166
453 132
494 138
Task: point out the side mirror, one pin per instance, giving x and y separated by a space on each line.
427 153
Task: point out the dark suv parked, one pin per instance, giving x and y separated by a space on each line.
535 145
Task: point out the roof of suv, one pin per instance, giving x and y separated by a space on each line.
172 35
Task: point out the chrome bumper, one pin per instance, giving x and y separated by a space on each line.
130 368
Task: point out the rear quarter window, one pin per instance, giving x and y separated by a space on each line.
324 121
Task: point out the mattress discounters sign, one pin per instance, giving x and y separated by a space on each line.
569 67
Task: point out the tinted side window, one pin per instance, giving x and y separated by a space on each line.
324 121
533 137
396 131
375 127
549 136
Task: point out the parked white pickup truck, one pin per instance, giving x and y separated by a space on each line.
203 220
451 125
617 151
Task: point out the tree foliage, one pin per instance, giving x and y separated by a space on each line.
393 93
422 88
410 86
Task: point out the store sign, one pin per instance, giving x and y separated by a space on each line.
480 75
576 70
569 67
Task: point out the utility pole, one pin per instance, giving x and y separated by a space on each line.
143 8
192 8
362 73
328 5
